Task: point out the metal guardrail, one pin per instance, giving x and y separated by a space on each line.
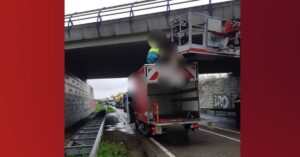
87 139
95 148
97 15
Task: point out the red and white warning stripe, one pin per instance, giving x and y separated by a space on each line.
191 71
152 74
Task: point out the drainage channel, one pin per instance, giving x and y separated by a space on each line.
86 141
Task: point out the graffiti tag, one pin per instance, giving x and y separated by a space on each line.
220 101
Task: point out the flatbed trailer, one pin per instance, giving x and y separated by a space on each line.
155 107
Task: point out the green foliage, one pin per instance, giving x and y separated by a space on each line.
110 110
99 107
112 149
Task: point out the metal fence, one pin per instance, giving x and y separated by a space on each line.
127 10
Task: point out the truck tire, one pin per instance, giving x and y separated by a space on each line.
136 125
131 113
187 128
147 132
237 121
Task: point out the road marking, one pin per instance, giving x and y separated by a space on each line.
237 132
237 140
152 139
162 147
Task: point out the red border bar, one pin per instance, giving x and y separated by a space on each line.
32 78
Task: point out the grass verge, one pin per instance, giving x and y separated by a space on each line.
112 149
110 110
98 107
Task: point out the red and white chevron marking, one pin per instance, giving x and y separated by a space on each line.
153 74
191 71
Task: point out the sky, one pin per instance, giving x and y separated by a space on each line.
72 6
104 88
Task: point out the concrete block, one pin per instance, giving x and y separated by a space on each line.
158 23
76 100
228 12
122 28
204 12
139 26
106 30
237 11
67 37
218 12
90 32
76 34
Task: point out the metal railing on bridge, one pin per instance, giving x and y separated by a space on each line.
130 10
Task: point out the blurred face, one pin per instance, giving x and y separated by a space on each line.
152 43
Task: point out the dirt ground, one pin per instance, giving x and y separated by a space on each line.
117 131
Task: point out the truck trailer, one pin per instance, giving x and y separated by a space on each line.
154 107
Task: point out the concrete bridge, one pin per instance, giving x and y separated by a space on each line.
116 48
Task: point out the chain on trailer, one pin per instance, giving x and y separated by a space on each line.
86 141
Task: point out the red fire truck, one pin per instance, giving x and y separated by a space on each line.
198 37
155 107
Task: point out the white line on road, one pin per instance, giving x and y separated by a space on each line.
237 140
152 139
162 147
237 132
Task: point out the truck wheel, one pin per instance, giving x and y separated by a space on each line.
146 130
237 122
136 125
187 128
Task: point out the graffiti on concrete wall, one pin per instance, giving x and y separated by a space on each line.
220 101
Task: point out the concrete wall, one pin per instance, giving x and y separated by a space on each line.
92 99
219 92
78 99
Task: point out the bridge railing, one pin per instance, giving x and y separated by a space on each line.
130 10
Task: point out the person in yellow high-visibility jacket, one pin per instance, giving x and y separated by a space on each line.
152 56
161 50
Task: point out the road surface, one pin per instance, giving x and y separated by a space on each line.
216 141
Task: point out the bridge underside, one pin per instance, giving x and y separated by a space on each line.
120 60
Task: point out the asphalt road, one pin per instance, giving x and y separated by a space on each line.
207 142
